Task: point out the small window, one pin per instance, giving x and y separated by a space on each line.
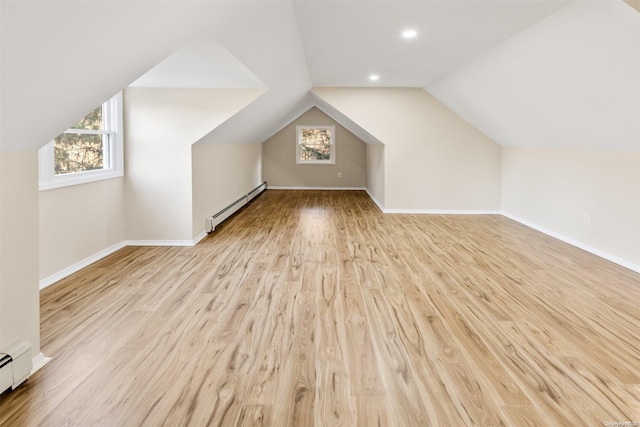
316 144
90 150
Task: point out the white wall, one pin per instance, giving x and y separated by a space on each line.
434 159
78 222
160 127
222 173
19 296
279 157
567 92
375 172
553 189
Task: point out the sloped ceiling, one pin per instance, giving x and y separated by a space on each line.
346 41
201 63
56 66
58 63
569 81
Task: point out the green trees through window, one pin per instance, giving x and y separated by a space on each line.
90 150
82 147
315 144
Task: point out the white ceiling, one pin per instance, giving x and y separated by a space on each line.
288 47
345 41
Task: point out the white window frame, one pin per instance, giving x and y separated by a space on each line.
113 155
332 157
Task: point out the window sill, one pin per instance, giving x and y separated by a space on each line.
316 162
77 179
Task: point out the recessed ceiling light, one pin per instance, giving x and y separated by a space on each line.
374 77
409 34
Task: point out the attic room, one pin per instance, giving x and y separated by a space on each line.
469 256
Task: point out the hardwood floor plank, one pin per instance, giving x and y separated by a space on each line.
612 402
440 316
335 405
526 416
402 386
363 364
315 308
373 411
255 416
271 357
296 390
331 331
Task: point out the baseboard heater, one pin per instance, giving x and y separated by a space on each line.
15 365
218 217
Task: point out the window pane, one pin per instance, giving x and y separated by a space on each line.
315 136
92 121
78 153
315 143
315 152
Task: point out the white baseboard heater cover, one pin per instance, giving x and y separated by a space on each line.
15 365
218 217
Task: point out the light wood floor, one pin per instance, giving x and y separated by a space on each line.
313 308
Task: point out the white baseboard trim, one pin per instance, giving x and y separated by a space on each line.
278 187
50 280
160 242
47 281
199 237
441 212
375 200
39 360
602 254
429 211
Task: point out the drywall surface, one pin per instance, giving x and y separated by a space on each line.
434 159
375 172
222 173
554 189
570 81
160 127
280 168
79 221
19 294
113 43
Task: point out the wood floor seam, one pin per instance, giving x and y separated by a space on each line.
314 308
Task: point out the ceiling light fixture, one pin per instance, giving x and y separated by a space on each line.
409 34
374 77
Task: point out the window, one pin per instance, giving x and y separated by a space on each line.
316 144
90 150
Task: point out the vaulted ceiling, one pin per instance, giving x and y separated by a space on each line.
532 64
